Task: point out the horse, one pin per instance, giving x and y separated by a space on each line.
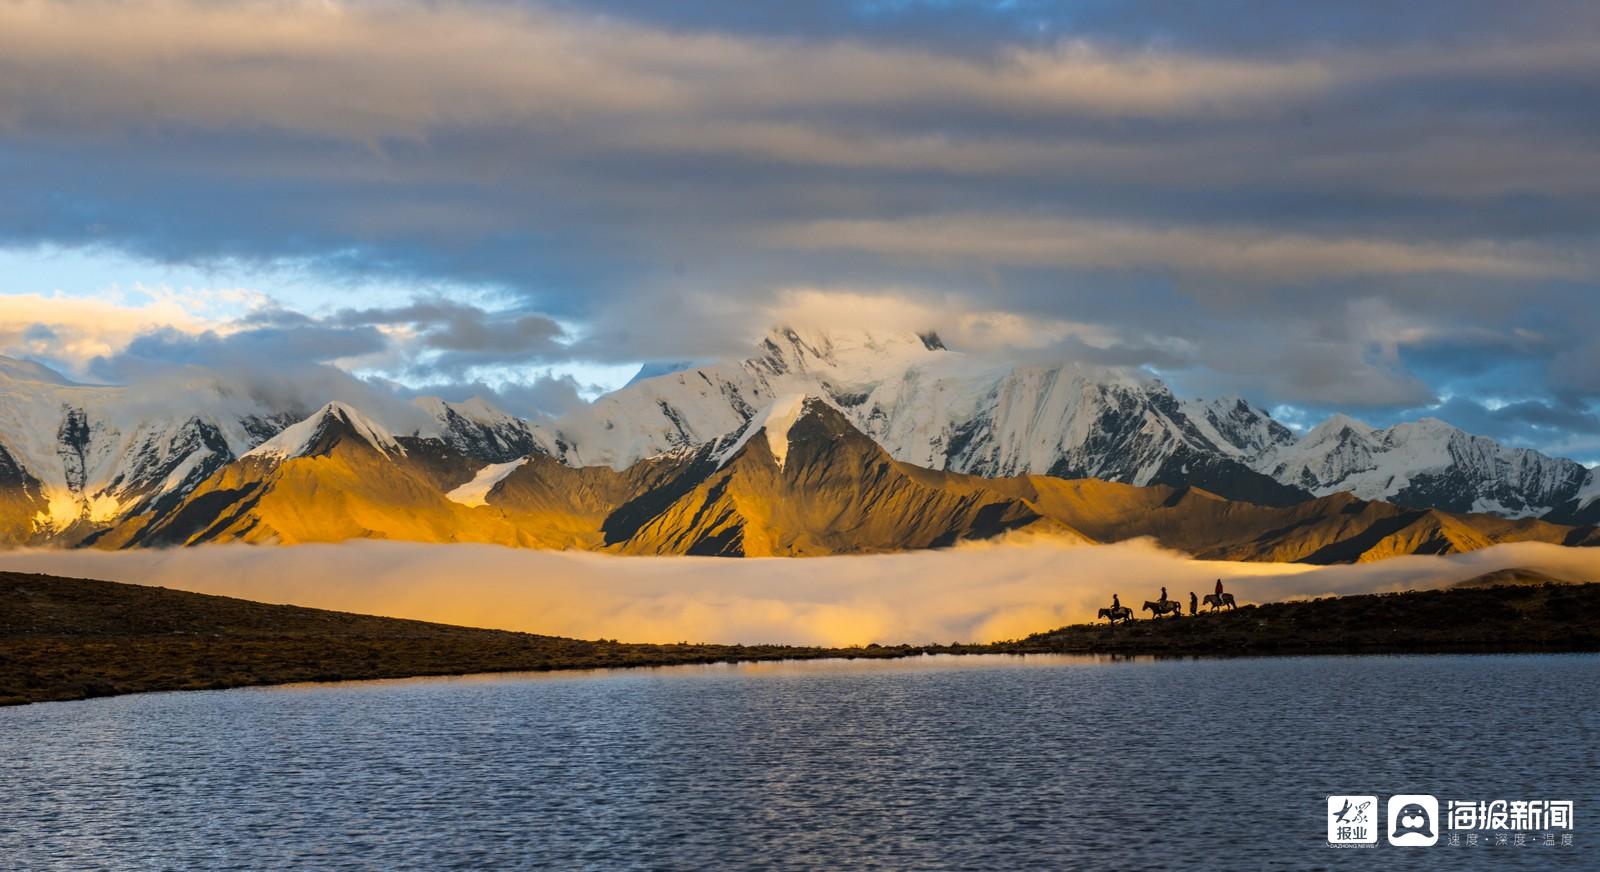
1120 613
1217 602
1164 607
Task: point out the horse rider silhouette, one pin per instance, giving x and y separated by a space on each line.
1117 612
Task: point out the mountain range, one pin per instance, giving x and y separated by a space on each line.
942 409
819 443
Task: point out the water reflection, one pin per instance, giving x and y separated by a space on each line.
946 762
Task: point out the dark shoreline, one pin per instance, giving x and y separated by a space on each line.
68 639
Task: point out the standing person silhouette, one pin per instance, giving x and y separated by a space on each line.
1194 604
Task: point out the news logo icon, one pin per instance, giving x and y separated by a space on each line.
1413 820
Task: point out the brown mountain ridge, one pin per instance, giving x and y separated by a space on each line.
799 481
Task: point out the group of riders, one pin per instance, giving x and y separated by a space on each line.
1164 606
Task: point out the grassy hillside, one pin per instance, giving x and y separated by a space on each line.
1467 618
71 638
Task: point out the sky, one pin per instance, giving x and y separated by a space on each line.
1382 209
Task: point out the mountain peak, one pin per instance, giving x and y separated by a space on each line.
857 353
14 369
1337 423
318 433
1430 425
776 421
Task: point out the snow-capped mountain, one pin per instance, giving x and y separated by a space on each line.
1583 508
1425 464
478 429
775 423
76 457
324 428
942 409
799 480
945 410
91 454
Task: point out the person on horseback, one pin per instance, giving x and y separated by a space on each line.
1219 588
1163 593
1116 603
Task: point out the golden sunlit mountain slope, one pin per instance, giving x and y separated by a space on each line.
805 482
799 480
336 483
1335 529
592 507
21 502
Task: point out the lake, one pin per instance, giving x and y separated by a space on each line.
988 762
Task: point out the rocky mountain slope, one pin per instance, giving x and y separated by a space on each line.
334 476
799 479
941 409
1424 464
113 466
77 460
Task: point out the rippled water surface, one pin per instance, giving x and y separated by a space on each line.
977 762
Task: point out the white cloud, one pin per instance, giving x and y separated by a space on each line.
76 329
961 322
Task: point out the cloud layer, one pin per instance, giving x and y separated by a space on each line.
980 592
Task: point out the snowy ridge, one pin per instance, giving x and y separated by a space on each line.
479 429
85 456
99 452
1589 492
89 455
702 405
938 408
776 422
934 407
1236 427
1426 463
300 439
476 491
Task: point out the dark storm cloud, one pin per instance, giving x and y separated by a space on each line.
1513 420
452 338
1364 205
289 341
284 357
437 341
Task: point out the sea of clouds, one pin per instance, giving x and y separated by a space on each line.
976 592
